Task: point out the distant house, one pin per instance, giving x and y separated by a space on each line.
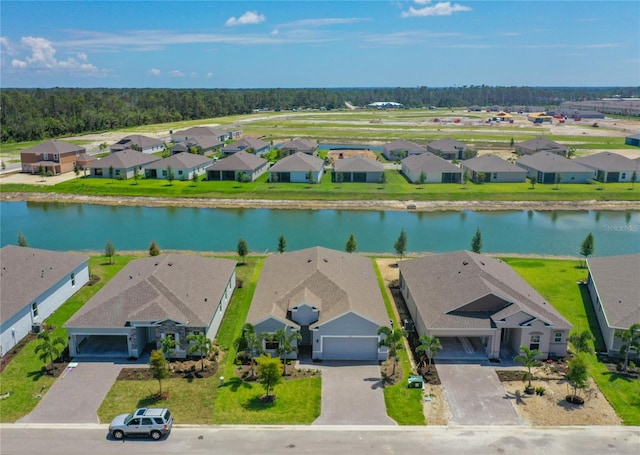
450 149
220 134
435 169
358 169
539 117
257 146
202 144
34 284
495 169
474 108
577 114
295 169
614 287
308 147
138 142
233 166
331 298
540 144
150 299
400 149
609 167
548 167
121 165
633 140
183 166
180 147
54 156
480 303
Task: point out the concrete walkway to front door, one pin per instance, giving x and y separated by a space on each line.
475 395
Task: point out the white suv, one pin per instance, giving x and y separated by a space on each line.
153 422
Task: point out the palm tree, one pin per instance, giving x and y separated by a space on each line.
582 341
168 345
47 347
528 359
200 344
285 345
428 346
631 339
393 341
249 344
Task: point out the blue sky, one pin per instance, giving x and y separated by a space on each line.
312 43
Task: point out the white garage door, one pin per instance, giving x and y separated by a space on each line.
350 348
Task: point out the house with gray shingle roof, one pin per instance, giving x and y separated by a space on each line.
614 287
52 156
183 166
494 168
171 295
144 144
609 167
124 164
295 169
435 169
399 149
548 167
480 302
231 167
450 149
34 284
540 144
249 144
219 134
357 169
298 145
331 298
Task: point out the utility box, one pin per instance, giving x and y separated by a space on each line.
415 382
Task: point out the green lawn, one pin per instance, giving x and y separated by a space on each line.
556 281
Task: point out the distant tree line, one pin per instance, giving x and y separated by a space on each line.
34 114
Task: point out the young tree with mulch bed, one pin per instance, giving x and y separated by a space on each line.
159 370
201 344
393 341
429 346
577 374
48 348
269 375
528 359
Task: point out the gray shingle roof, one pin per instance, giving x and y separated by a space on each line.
299 144
428 162
335 282
181 161
139 140
447 145
298 162
541 144
205 142
617 280
26 273
246 142
468 290
54 146
123 160
403 145
607 161
490 163
550 162
357 164
183 288
240 161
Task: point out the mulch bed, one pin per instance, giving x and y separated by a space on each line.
187 369
243 371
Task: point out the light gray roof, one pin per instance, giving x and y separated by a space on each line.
181 161
428 162
333 281
467 290
447 145
298 162
54 146
491 163
607 161
183 288
26 273
617 280
357 164
205 142
139 140
550 162
541 144
299 144
402 145
247 142
124 159
240 161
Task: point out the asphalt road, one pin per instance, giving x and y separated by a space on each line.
17 439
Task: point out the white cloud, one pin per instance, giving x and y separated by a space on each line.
439 9
209 74
176 73
322 22
275 31
43 58
248 18
155 72
7 47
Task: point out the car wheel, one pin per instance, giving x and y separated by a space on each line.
118 434
155 434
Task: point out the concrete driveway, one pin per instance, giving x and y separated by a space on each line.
352 394
475 395
78 393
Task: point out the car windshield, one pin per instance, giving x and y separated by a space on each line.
128 418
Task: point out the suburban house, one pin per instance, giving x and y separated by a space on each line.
540 144
34 284
199 144
171 295
295 169
180 147
331 298
306 146
221 135
144 144
233 166
357 169
494 169
548 167
450 149
249 144
397 150
54 156
633 140
434 169
610 167
539 117
614 287
121 165
183 166
481 304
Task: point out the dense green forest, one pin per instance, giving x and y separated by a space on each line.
34 114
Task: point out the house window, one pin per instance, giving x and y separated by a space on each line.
45 156
535 342
624 175
557 337
34 310
117 172
271 345
164 173
73 279
495 175
179 172
55 157
97 172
